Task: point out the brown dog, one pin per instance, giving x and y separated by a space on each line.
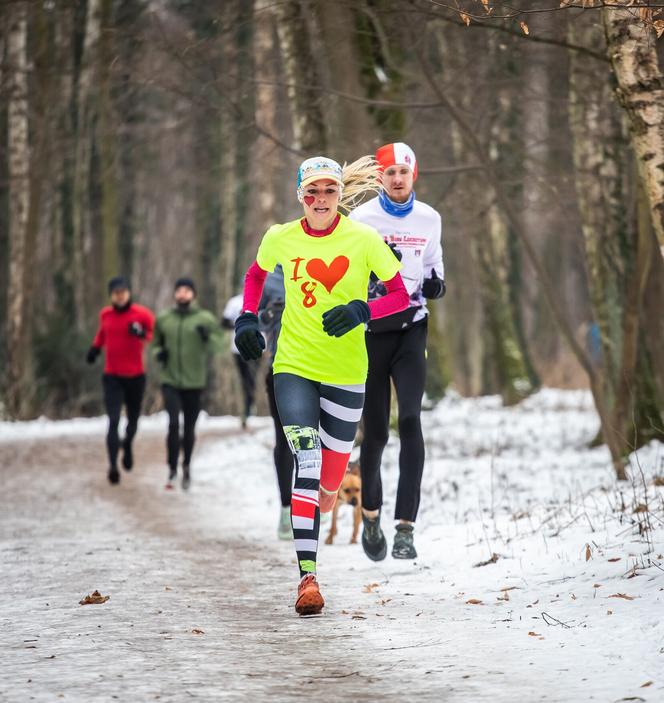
350 492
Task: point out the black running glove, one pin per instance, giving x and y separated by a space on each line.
162 356
343 318
203 332
248 340
93 353
136 329
433 287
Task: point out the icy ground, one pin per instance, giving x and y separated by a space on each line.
570 608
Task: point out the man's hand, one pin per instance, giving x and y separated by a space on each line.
433 287
203 332
93 353
136 329
162 356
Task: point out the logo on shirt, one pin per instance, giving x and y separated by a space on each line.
326 274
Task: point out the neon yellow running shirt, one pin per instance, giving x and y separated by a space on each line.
320 273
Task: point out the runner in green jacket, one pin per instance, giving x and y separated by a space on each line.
185 335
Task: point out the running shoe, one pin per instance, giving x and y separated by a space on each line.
127 456
113 475
403 547
326 500
285 529
172 476
309 600
186 478
373 539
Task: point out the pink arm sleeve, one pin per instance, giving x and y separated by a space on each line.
396 300
254 280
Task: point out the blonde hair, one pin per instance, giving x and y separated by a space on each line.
360 177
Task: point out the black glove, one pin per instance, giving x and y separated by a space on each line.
203 331
395 251
248 340
162 356
343 318
93 353
433 287
136 329
271 312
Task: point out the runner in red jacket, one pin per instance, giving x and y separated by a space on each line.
124 328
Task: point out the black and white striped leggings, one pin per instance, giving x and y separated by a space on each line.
319 421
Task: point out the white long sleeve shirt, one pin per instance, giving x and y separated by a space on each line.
417 236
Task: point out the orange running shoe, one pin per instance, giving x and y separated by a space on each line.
326 500
309 600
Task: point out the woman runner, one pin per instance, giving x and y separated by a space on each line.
320 365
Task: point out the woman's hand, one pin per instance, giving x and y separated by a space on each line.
343 318
248 339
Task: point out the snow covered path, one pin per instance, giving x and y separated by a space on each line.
571 608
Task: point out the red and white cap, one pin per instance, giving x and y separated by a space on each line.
397 154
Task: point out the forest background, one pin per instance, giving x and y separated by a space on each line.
160 138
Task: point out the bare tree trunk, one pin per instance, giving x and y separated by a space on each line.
632 49
300 68
19 204
85 115
339 64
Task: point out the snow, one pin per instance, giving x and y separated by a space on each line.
571 608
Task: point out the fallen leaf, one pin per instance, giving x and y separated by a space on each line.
573 597
615 559
588 552
534 634
493 560
641 508
621 595
473 601
384 600
609 612
658 481
94 598
524 27
358 617
597 585
505 596
369 588
196 631
646 684
465 18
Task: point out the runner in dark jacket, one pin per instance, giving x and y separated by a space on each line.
124 329
185 335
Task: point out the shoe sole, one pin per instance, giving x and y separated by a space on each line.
309 602
404 556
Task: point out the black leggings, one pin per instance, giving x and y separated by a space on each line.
283 458
247 371
189 402
118 390
400 356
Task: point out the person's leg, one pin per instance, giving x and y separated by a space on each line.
133 388
340 413
376 426
283 459
113 395
408 373
376 419
172 403
191 407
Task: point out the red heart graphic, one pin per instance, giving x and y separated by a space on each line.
330 275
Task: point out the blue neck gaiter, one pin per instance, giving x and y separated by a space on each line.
396 209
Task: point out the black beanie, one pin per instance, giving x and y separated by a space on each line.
185 281
118 282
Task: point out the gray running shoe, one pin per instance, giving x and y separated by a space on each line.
186 478
373 539
403 547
